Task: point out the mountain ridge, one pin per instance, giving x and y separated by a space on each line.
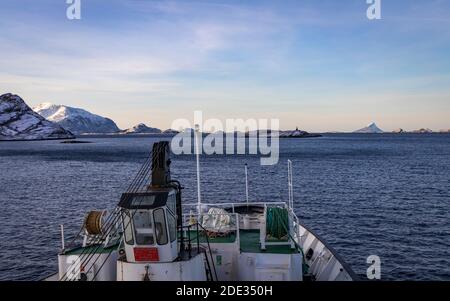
76 120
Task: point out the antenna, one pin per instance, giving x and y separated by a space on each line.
290 187
246 183
197 153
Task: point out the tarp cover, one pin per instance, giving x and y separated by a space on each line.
217 220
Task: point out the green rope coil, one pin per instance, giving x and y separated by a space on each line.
277 221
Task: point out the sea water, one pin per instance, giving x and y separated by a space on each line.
386 195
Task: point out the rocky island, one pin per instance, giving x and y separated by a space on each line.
19 122
141 128
297 134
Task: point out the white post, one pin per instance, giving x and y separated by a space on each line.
62 237
197 151
246 183
290 186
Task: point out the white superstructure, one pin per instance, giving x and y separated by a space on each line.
152 236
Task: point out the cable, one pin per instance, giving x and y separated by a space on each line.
134 187
115 216
155 156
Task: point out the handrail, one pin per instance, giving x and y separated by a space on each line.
209 249
197 238
236 204
219 203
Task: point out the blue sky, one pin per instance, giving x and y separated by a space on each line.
317 64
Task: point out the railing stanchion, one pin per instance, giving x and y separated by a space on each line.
189 241
198 238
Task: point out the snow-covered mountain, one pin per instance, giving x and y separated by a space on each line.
19 122
141 129
370 129
78 121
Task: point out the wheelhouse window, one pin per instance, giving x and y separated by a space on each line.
143 227
172 224
128 228
172 203
160 226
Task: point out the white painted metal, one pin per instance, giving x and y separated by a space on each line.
62 237
269 267
187 270
324 264
230 262
290 186
70 267
166 253
246 183
225 257
197 155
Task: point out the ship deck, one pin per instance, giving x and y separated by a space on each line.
248 242
98 249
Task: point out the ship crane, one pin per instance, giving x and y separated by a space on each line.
152 219
152 243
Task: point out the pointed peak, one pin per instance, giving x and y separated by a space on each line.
371 128
45 106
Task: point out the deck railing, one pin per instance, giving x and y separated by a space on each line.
294 236
232 205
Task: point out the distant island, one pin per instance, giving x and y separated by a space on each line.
141 128
297 134
374 129
423 131
51 121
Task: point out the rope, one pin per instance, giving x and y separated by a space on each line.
277 221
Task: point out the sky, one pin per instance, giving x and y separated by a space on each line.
321 65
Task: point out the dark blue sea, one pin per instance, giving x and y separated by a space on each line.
385 195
